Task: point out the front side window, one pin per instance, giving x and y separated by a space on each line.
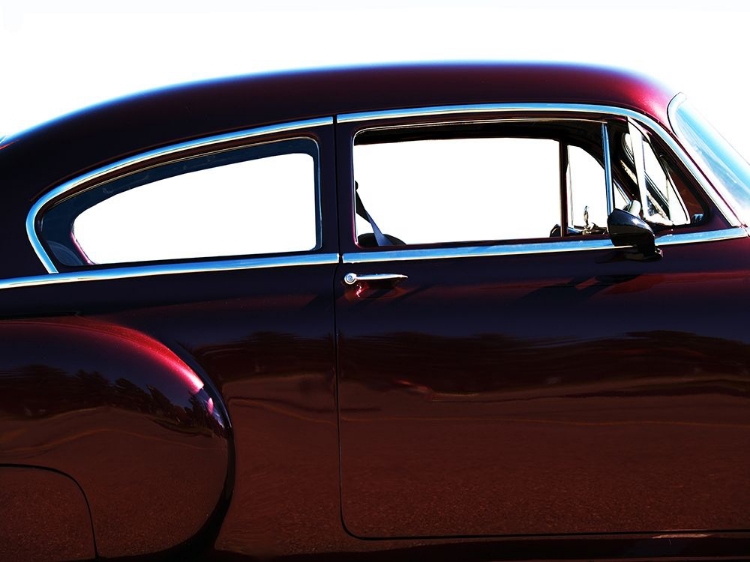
461 189
509 181
253 200
480 182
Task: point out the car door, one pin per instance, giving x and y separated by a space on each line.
503 368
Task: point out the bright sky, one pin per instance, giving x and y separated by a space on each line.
59 56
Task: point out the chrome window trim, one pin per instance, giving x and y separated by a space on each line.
130 272
532 248
143 158
449 110
500 108
607 169
674 105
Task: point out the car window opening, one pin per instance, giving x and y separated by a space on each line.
471 183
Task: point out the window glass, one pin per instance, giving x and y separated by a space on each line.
666 201
665 206
729 170
246 201
459 189
588 193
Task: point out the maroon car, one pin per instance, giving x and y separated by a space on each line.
466 312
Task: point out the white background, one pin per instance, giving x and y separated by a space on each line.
57 56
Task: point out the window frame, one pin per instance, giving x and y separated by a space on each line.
350 125
316 131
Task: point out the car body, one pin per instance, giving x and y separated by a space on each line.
462 311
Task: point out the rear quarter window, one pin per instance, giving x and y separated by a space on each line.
248 201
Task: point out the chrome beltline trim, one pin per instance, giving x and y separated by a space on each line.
356 257
699 237
477 251
713 193
145 157
171 269
532 248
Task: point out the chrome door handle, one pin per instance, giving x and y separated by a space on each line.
353 278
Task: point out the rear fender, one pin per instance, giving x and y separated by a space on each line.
127 419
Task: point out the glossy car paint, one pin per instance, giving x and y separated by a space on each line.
568 405
122 416
44 516
545 395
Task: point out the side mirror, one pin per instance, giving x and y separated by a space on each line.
626 229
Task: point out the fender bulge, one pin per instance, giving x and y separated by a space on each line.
121 415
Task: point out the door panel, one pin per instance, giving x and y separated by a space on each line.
545 394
